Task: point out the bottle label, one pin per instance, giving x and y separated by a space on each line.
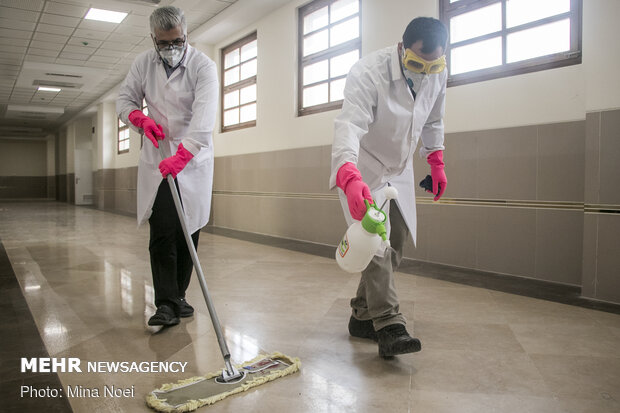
344 246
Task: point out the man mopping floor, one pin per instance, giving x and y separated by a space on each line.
175 206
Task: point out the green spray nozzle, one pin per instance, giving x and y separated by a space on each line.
374 220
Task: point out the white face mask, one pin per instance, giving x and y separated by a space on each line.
414 80
172 55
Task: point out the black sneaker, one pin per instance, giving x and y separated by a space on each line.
185 310
394 339
164 316
362 329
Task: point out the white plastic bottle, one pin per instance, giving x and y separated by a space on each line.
364 238
362 241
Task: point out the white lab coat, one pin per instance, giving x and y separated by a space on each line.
184 105
380 125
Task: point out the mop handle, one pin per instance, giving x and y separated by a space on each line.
201 278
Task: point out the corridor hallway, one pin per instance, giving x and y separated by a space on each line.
85 276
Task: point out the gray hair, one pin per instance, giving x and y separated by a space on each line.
167 18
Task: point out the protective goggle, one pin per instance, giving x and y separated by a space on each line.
416 64
162 45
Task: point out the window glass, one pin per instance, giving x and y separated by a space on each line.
231 99
316 72
248 69
343 8
341 64
231 117
538 41
487 53
248 94
231 76
316 42
249 51
336 89
248 113
476 23
316 20
315 95
231 59
524 11
343 32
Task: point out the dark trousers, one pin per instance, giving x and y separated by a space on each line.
171 262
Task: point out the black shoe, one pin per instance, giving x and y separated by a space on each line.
185 310
362 329
394 339
164 316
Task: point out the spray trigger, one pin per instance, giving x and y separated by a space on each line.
427 185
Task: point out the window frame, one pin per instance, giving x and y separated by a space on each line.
326 54
237 85
573 56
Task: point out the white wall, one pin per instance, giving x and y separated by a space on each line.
548 96
23 158
106 131
83 134
556 95
542 97
70 147
50 144
278 126
601 54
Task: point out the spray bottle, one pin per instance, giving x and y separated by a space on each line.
365 238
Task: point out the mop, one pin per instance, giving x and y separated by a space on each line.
189 394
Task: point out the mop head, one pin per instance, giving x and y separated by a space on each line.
189 394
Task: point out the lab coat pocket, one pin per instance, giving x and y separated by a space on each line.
202 157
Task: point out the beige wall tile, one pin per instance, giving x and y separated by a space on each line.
610 157
592 158
561 162
559 245
505 240
507 163
461 162
608 258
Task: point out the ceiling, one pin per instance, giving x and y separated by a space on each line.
44 42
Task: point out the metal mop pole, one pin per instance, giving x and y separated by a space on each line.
230 371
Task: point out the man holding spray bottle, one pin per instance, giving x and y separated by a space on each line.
392 98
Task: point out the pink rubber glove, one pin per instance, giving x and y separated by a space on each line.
175 163
151 130
349 179
435 160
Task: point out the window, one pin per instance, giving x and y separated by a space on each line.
123 137
329 44
239 63
123 131
499 38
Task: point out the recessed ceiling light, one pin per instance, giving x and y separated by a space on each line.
49 89
105 15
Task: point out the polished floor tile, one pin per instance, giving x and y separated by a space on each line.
85 278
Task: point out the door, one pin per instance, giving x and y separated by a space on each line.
83 177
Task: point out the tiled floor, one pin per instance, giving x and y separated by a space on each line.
86 279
